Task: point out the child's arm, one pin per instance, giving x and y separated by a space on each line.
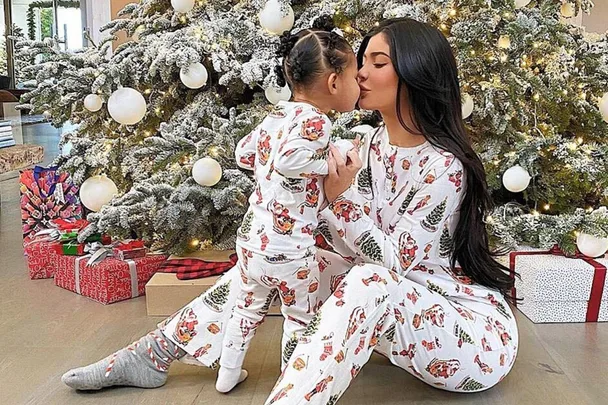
246 148
305 149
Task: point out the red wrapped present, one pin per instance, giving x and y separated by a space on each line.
130 249
46 195
40 255
109 280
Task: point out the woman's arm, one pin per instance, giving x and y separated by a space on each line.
411 234
303 153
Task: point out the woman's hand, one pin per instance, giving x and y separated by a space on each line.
341 173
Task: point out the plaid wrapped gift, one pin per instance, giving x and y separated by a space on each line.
203 264
108 281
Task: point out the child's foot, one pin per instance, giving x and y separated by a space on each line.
228 378
144 364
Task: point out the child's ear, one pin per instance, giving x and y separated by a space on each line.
332 83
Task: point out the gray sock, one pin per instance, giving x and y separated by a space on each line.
144 363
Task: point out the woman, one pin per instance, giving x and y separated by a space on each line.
424 291
431 302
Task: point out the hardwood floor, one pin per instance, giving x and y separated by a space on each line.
45 330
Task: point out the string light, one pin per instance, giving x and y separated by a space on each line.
195 242
547 207
535 213
452 13
579 140
536 97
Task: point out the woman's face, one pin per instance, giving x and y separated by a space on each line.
377 77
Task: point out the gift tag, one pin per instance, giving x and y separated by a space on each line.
58 194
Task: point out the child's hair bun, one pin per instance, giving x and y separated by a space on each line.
324 22
288 41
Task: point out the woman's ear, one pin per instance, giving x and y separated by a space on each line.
332 83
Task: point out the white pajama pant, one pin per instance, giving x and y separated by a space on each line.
296 282
371 308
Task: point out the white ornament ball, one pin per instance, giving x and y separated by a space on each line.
66 149
603 106
272 19
467 105
521 3
516 179
591 246
183 6
362 129
504 42
194 76
567 10
275 95
97 191
93 102
127 106
207 172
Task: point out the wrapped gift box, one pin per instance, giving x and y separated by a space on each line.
555 288
40 256
108 281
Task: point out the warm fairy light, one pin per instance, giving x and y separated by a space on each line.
195 242
589 209
503 57
547 207
452 13
536 97
147 91
583 96
565 92
572 145
535 213
473 52
147 133
214 151
579 140
489 219
443 26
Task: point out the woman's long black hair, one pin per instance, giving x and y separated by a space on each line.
427 72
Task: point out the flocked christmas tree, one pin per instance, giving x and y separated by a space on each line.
199 75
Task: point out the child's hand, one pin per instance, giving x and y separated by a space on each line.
344 146
341 172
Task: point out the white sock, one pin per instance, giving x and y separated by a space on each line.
228 378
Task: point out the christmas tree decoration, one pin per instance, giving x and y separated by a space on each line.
66 149
127 106
590 245
467 105
93 102
537 103
277 17
567 10
194 76
504 42
183 6
275 95
97 191
603 106
516 179
207 172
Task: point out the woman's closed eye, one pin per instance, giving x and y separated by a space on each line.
379 65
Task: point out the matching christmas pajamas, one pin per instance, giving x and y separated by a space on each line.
387 287
275 243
